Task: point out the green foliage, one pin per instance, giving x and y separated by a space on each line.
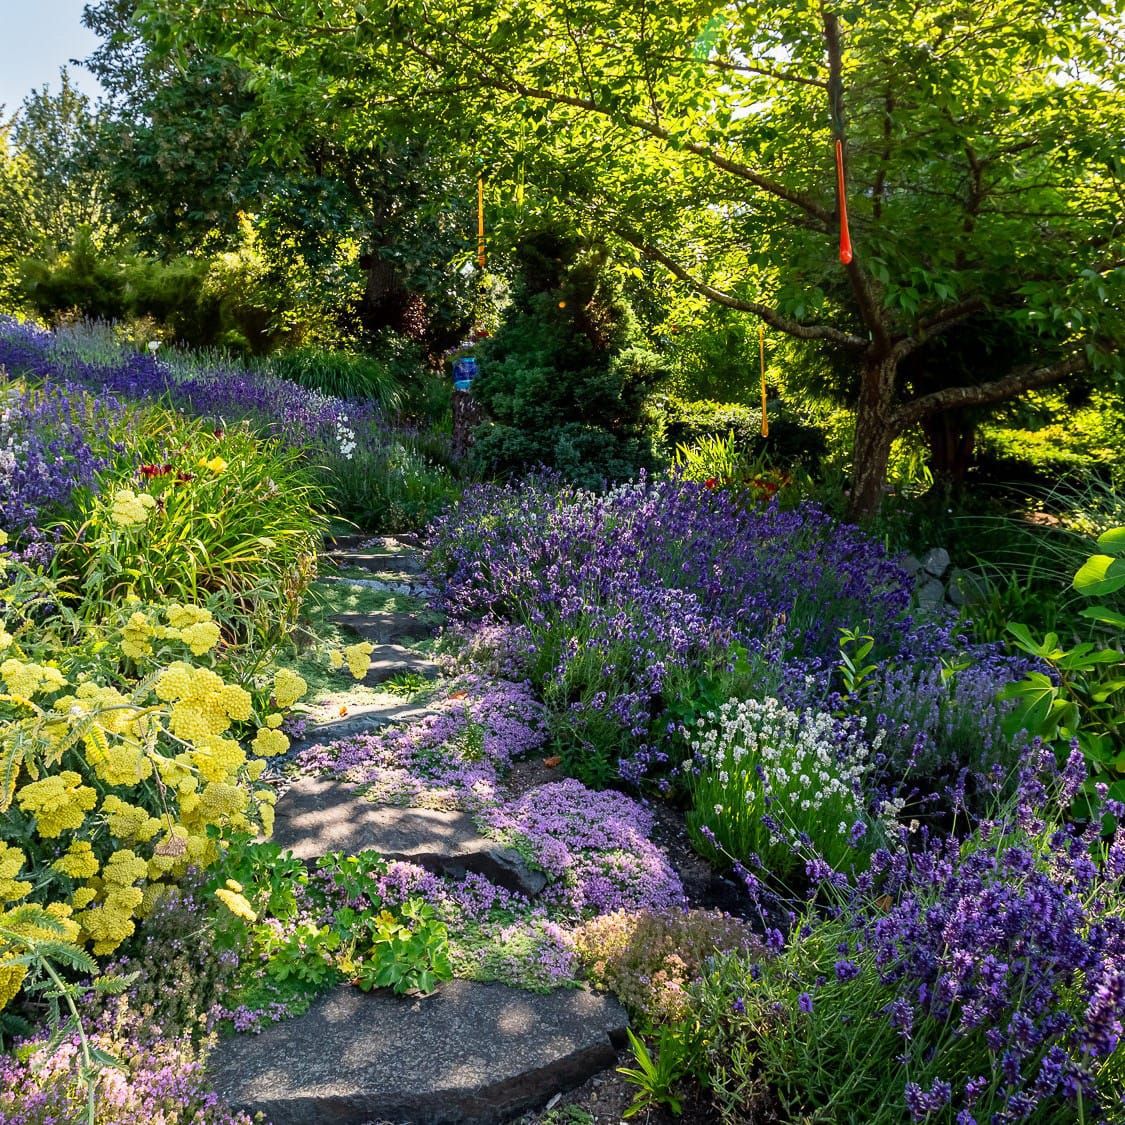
238 517
346 374
655 1077
561 382
953 216
302 936
390 487
225 300
1081 698
694 423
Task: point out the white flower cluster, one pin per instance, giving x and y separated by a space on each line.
345 437
807 761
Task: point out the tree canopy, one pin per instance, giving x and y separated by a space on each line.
981 146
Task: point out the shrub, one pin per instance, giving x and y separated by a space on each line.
343 374
649 958
563 382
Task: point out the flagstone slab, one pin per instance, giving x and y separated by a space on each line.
386 626
472 1054
388 661
318 815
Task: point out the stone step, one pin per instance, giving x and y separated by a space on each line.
358 720
404 587
392 660
472 1054
319 815
386 627
377 562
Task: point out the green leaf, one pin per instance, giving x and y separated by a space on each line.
1113 541
1100 575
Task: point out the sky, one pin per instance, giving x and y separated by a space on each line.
37 37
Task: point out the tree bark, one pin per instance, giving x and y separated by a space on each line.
875 430
951 436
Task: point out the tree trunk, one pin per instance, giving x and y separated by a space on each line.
874 432
951 436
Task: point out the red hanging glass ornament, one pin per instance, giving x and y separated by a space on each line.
845 235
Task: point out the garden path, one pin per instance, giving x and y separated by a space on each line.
472 1053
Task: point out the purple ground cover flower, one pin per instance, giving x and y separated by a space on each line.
593 845
160 1082
452 759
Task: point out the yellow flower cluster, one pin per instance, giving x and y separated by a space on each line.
192 625
358 657
235 901
11 861
288 687
29 679
153 769
57 802
267 743
131 509
215 464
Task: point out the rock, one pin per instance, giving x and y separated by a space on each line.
320 815
931 594
391 660
361 719
966 588
472 1054
935 562
385 627
911 564
377 562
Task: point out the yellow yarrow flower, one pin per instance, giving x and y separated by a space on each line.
135 636
128 822
57 803
5 639
11 861
288 687
335 659
236 903
29 679
275 720
78 861
131 509
268 743
358 657
124 868
200 637
182 616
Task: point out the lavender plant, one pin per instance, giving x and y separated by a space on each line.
769 782
977 980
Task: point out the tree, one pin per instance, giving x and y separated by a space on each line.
980 141
57 134
196 145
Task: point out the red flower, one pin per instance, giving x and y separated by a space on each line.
219 434
711 482
184 478
150 471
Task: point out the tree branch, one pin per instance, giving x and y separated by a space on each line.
1015 383
771 316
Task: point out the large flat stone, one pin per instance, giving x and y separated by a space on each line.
378 562
319 815
386 626
388 661
472 1054
361 719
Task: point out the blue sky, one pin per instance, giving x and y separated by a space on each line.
37 37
